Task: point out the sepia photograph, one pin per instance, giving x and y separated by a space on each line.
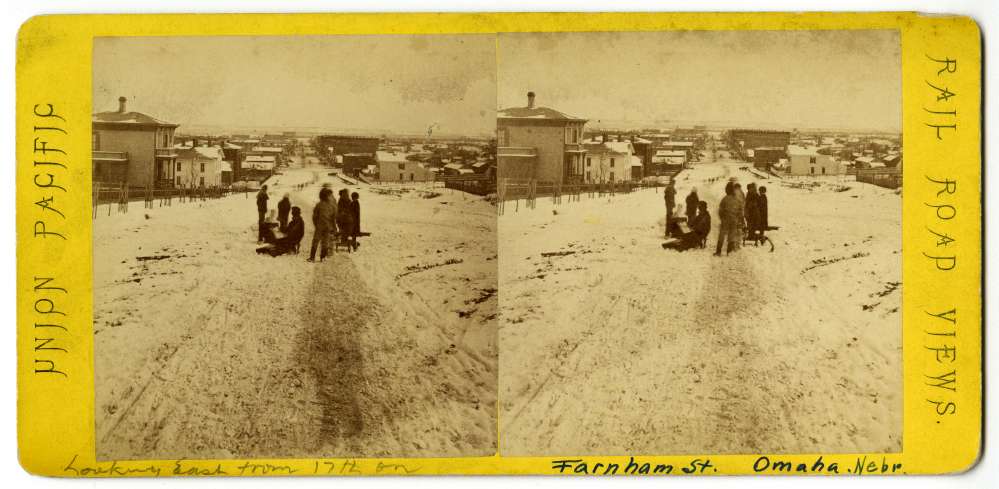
294 246
700 242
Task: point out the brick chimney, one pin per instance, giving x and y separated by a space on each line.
121 104
530 100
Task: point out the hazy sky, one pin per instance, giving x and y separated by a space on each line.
369 83
827 79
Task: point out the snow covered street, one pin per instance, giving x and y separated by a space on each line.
611 345
205 349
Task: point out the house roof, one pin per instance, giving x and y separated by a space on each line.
535 113
801 151
205 152
388 156
617 147
136 118
259 159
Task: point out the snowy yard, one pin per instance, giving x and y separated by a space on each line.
611 345
205 349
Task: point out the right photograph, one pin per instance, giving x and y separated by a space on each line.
699 242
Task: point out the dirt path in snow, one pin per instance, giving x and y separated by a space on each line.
337 309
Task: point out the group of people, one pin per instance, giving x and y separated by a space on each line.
329 218
335 219
741 216
698 221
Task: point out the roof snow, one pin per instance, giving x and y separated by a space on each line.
800 151
534 113
137 118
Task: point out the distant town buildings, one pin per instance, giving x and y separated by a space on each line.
741 140
540 143
610 162
807 161
133 148
199 166
395 167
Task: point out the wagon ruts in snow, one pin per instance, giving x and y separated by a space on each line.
761 238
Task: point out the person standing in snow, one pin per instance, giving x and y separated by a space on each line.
669 197
692 202
730 218
345 218
764 210
741 222
355 208
283 208
752 211
323 215
261 211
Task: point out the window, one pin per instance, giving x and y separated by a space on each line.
411 177
812 170
611 177
400 177
202 169
402 166
95 141
504 137
823 170
587 175
178 180
179 166
588 161
612 164
811 160
202 181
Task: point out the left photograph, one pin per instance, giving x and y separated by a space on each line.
294 246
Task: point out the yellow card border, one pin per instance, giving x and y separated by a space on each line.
942 292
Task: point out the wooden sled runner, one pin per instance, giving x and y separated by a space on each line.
764 239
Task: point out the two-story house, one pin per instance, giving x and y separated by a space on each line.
539 143
133 148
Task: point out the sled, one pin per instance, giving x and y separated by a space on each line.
764 239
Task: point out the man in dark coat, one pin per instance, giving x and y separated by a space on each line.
355 207
669 197
323 215
764 209
345 218
752 211
702 223
283 208
692 202
261 210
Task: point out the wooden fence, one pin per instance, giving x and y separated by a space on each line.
882 177
478 184
513 190
117 196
